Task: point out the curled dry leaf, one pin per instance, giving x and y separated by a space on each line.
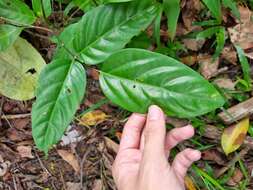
93 118
233 136
70 158
189 183
208 66
189 60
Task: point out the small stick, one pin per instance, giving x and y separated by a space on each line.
15 116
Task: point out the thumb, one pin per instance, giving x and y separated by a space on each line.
154 133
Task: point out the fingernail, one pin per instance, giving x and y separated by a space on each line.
154 113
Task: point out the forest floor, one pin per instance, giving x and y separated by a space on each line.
86 152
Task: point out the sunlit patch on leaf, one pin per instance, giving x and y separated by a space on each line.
233 136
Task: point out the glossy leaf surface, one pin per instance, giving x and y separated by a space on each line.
20 67
108 28
60 91
17 13
136 79
233 136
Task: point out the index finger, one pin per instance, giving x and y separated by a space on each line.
132 132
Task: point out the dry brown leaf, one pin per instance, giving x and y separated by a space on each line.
189 183
213 155
233 136
73 186
93 118
236 177
242 33
98 185
208 66
25 151
70 158
111 144
225 83
189 60
229 54
193 44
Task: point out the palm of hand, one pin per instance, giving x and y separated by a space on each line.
141 163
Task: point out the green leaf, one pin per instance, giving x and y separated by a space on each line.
20 67
136 79
157 26
141 41
107 29
172 11
208 33
8 35
220 40
84 5
245 66
115 1
232 5
42 5
15 12
61 89
215 7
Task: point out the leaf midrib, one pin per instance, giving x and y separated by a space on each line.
149 85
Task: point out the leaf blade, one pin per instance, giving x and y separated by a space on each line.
144 78
61 89
233 136
20 67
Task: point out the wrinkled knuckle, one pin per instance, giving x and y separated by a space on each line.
149 131
175 137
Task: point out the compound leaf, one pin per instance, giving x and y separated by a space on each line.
20 67
136 79
61 88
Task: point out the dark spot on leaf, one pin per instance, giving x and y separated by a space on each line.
32 71
134 86
69 90
8 3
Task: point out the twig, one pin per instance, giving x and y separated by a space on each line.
42 165
16 116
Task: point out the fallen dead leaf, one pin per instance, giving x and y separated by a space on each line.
208 66
213 155
70 158
20 123
229 54
233 136
236 177
73 186
98 185
242 33
189 183
225 83
111 144
189 60
193 44
93 118
25 151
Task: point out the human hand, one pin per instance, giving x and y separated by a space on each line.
142 160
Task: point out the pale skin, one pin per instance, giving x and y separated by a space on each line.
142 160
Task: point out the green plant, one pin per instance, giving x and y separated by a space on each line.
131 78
